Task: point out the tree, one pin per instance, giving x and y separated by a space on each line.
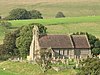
23 42
17 14
97 44
90 66
96 51
34 14
10 43
60 15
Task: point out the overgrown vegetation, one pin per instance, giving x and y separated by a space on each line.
90 66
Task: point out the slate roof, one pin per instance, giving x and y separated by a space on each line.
80 41
64 41
56 41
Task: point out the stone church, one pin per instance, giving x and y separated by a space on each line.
63 46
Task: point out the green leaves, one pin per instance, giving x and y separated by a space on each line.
91 67
23 42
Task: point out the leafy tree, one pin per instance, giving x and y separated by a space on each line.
90 66
10 43
96 51
97 44
17 14
92 40
60 15
25 37
34 14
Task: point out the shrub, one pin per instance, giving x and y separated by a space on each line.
60 15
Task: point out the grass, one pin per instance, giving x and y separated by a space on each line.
49 8
6 73
92 28
23 68
70 20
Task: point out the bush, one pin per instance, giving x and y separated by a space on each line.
34 14
60 15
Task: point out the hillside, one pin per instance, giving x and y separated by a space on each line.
50 7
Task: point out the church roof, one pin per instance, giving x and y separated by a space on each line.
64 41
56 41
80 41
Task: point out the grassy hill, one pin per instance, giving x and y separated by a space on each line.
23 68
49 8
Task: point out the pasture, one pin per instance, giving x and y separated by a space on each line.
49 8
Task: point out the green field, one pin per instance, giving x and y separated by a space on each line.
23 68
90 24
6 73
68 25
49 8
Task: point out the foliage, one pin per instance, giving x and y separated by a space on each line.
45 59
5 24
10 43
60 15
90 66
23 42
97 44
19 14
3 53
34 14
92 40
96 51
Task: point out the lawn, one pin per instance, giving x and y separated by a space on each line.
6 73
24 68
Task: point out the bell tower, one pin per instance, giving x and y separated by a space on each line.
34 48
